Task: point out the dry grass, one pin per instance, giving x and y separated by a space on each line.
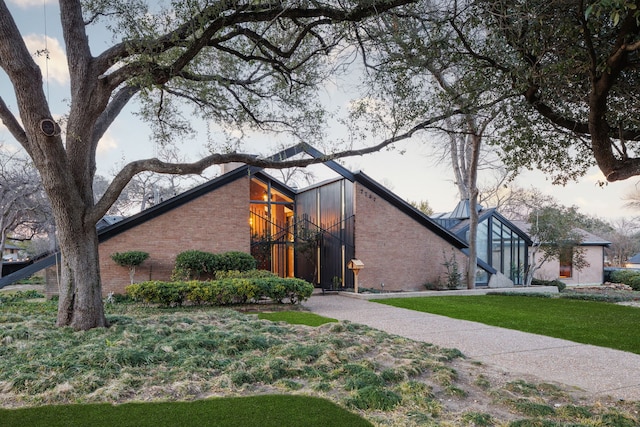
151 354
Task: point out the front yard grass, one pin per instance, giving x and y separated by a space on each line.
296 318
206 365
252 411
588 322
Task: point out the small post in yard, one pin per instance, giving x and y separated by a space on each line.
355 265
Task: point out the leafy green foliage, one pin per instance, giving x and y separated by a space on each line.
130 258
453 274
235 261
423 206
248 274
554 235
194 263
191 264
628 277
221 292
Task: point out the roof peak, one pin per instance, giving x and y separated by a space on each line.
462 210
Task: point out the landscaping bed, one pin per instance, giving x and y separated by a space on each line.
192 353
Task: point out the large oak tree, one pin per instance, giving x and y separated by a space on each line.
236 61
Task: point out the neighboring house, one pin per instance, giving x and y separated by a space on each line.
13 259
633 262
502 247
11 252
593 248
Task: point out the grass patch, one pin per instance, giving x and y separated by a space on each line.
297 318
259 411
587 322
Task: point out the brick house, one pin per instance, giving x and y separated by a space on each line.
310 233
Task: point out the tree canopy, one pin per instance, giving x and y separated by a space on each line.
574 66
564 72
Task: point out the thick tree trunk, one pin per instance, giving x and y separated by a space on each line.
80 304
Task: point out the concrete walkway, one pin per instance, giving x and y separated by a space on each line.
594 369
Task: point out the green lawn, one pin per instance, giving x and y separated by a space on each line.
589 322
296 318
258 411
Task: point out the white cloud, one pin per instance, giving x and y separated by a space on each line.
107 144
31 3
55 68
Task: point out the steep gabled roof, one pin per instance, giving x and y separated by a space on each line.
222 180
189 195
112 230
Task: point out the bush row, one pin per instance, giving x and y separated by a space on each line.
221 292
192 264
628 277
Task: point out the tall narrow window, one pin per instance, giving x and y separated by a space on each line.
566 262
482 240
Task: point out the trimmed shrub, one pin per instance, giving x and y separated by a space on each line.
130 259
233 260
164 293
193 263
221 292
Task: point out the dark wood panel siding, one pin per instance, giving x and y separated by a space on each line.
330 208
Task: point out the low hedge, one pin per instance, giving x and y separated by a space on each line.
221 292
628 277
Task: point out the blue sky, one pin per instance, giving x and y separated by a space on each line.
414 175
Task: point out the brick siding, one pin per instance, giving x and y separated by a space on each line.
215 222
397 250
